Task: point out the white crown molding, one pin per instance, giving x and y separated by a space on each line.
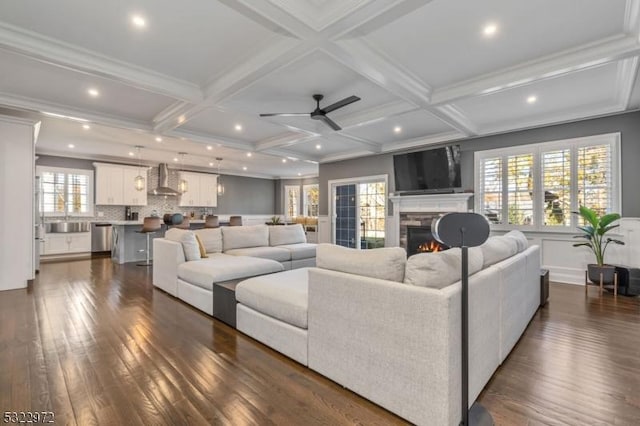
345 156
561 63
58 53
625 80
422 141
456 118
318 20
272 17
24 103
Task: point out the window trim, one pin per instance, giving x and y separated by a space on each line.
68 171
612 139
286 201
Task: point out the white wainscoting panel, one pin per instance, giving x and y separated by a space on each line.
324 229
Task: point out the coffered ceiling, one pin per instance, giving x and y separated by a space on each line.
197 73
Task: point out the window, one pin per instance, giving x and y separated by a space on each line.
310 200
537 186
65 192
292 200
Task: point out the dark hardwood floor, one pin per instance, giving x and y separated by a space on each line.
95 343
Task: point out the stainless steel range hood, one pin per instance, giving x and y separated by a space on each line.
163 182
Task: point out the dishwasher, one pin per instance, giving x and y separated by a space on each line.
101 238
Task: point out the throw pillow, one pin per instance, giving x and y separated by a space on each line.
234 237
287 234
521 239
211 239
440 269
203 251
382 263
188 241
497 249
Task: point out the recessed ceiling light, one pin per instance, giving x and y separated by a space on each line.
71 146
175 158
93 93
238 127
249 154
158 139
131 153
299 174
318 146
490 30
244 167
138 21
211 164
181 119
86 126
397 129
532 99
209 147
284 160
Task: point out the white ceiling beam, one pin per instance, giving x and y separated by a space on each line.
345 155
370 17
376 113
58 53
366 144
272 17
456 118
625 80
210 139
292 155
283 141
71 113
558 64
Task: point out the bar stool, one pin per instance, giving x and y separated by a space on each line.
185 224
235 221
150 226
211 222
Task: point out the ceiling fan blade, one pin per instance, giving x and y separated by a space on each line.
331 123
286 114
342 103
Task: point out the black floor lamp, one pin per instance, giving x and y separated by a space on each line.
465 230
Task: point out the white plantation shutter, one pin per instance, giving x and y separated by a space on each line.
556 184
53 192
595 183
491 175
537 186
65 191
520 189
77 193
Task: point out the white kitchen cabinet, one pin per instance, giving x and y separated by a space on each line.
67 243
115 185
202 190
133 197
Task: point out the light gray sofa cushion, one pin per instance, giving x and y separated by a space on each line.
283 296
188 241
383 263
287 234
221 267
496 249
273 253
521 239
211 239
234 237
301 251
440 269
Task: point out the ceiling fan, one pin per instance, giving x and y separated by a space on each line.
319 113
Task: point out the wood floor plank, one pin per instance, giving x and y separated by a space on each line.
95 343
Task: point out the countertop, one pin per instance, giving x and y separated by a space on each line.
135 222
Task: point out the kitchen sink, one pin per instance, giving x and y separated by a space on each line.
67 227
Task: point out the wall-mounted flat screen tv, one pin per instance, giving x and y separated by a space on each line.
432 170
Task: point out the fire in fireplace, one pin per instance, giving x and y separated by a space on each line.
421 240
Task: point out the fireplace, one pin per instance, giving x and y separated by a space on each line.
421 240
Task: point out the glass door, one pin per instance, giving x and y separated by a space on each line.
359 213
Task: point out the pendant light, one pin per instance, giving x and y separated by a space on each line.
183 185
220 188
139 181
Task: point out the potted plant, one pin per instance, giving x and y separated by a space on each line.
275 220
594 232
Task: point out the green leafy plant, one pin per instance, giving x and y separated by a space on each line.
275 220
594 232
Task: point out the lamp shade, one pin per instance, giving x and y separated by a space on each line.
138 183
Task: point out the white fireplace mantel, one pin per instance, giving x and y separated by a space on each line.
444 203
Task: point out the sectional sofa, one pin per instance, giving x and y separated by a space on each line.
388 328
187 268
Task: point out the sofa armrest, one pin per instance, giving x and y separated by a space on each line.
167 255
392 343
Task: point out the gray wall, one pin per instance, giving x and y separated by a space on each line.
281 183
627 124
243 195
